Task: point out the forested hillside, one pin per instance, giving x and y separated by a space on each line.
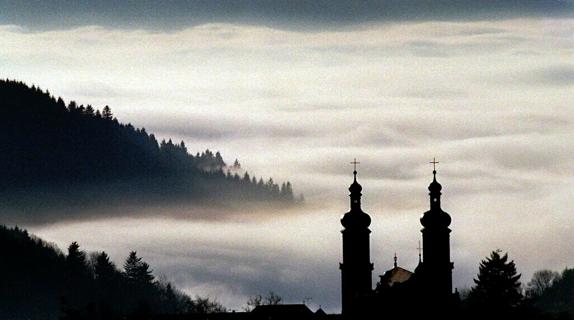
41 282
68 155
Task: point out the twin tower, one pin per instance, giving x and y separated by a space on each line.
431 282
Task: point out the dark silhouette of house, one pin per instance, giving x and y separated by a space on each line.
427 289
283 311
263 312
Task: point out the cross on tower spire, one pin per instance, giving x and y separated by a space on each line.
355 163
434 163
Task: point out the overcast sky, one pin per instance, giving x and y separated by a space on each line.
296 90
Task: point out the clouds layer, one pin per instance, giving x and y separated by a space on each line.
491 100
300 15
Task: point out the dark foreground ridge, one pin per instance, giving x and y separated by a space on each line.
41 282
70 157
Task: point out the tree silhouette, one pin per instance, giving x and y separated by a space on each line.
236 165
206 305
104 269
273 299
76 260
553 293
497 286
258 300
541 281
40 282
253 302
56 156
107 113
137 270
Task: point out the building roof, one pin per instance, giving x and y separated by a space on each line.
284 310
395 275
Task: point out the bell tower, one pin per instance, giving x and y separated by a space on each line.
436 246
356 268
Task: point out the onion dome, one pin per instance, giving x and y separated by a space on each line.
434 186
355 186
355 218
435 217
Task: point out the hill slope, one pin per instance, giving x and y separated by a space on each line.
41 282
57 156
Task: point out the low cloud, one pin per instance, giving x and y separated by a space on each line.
560 75
300 106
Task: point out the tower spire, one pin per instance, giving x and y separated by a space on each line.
355 163
356 268
434 187
395 264
355 188
436 245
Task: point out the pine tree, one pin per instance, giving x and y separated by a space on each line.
497 287
286 191
183 147
72 106
137 270
107 113
76 260
104 269
89 110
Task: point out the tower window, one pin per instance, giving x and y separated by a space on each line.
435 199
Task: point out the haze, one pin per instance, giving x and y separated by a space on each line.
489 94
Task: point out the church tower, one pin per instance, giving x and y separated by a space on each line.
436 247
356 269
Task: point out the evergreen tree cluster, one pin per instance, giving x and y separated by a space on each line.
497 286
498 292
71 149
41 282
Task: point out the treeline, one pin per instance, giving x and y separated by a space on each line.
41 282
498 292
70 148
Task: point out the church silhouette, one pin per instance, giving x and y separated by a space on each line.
399 292
426 291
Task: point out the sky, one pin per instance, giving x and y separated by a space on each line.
298 89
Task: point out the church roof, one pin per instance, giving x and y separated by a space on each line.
395 275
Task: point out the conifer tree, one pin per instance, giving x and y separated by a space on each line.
107 113
137 270
497 287
104 269
76 259
89 110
